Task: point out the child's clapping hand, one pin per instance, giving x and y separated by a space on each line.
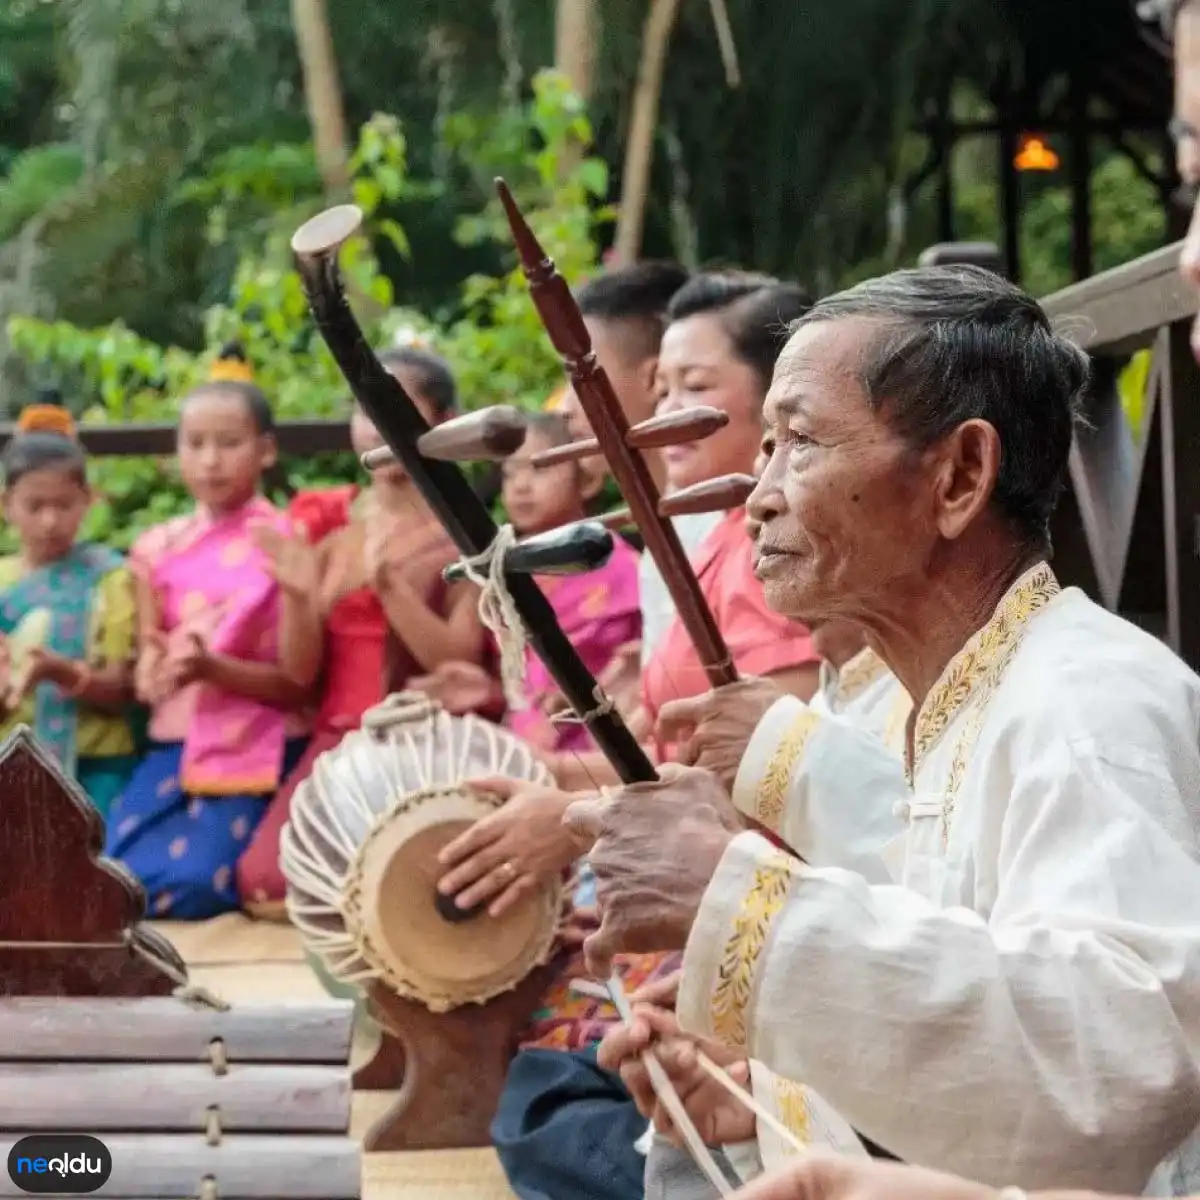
290 560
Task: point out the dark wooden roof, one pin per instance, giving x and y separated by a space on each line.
1123 60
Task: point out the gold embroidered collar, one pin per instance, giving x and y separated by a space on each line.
843 686
983 652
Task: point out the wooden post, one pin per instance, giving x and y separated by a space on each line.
1181 494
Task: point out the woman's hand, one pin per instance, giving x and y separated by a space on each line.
290 560
509 853
720 1117
459 687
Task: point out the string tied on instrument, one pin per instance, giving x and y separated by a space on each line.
604 706
499 616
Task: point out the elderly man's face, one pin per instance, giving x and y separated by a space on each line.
843 506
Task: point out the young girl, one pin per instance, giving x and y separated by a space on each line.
66 612
221 665
374 577
598 611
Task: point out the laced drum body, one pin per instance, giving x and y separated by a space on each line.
359 854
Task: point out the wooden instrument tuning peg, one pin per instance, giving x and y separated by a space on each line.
670 429
713 495
490 434
674 428
570 550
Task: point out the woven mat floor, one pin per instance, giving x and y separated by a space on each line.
259 962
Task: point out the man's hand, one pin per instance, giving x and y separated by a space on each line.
719 1117
656 847
712 731
507 854
825 1176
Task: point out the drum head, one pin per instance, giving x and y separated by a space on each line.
360 854
394 907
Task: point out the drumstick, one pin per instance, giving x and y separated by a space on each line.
585 987
664 1089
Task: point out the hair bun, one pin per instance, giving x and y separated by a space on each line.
46 418
231 365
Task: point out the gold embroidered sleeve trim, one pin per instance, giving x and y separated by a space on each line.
791 1103
739 960
771 801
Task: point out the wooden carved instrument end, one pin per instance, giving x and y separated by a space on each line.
570 550
490 434
325 233
713 495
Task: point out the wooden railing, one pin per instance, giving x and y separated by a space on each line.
294 437
1129 532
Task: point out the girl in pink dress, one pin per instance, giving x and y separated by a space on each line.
598 610
217 667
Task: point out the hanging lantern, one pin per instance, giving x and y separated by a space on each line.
1034 153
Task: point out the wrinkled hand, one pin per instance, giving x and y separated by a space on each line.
290 560
509 853
659 993
826 1176
579 924
719 1117
712 731
459 687
656 847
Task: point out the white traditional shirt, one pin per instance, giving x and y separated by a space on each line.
866 693
834 770
658 609
1024 1007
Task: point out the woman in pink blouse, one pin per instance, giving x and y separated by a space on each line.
724 331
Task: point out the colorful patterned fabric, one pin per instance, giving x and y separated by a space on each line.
210 580
70 590
358 666
567 1021
259 877
183 848
599 612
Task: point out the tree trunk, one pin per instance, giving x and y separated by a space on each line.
576 40
322 93
639 145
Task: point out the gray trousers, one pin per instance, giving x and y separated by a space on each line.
672 1174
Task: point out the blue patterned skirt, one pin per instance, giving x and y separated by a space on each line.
183 849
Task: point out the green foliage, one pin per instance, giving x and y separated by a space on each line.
119 377
36 178
496 342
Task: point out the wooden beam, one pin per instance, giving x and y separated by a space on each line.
1121 310
120 441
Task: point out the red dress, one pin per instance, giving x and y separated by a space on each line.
361 664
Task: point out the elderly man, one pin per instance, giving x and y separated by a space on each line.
1024 1006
